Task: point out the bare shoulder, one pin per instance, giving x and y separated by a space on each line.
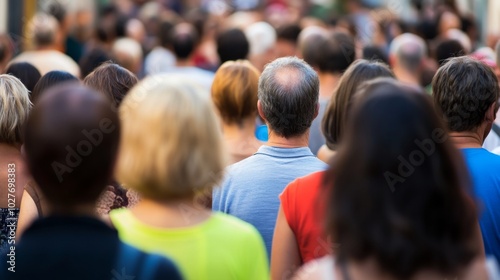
481 268
319 269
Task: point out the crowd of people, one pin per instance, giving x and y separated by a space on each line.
253 141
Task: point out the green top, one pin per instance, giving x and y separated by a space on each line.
222 247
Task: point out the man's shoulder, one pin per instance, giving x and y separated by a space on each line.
480 155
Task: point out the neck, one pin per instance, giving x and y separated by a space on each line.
178 213
46 48
291 142
184 62
74 210
467 139
236 131
327 84
405 77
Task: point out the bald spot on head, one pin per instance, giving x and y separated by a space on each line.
288 78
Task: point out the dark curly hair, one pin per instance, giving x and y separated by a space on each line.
464 89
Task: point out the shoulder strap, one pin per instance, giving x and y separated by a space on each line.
30 188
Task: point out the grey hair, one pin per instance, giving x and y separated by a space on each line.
409 49
14 109
288 94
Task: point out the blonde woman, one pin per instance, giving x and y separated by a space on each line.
14 109
171 152
234 93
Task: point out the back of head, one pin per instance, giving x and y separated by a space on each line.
164 33
335 117
405 205
184 40
43 29
309 42
26 72
232 44
447 49
289 33
14 109
288 95
464 89
71 141
171 146
234 91
261 36
376 53
336 53
49 80
128 53
112 80
92 60
407 51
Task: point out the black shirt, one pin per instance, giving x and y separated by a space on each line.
80 248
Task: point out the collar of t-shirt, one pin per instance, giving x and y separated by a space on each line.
284 152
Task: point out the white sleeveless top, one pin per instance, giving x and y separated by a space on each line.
323 269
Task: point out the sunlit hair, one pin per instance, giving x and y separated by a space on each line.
234 91
171 148
334 120
111 80
14 109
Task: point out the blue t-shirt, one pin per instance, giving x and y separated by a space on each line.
484 169
251 187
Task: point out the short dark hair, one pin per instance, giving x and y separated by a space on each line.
375 53
310 49
71 144
288 93
289 32
92 59
464 89
164 36
26 72
184 40
336 53
448 48
112 80
407 222
232 44
49 80
335 117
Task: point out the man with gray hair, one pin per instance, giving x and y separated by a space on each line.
45 32
406 55
288 102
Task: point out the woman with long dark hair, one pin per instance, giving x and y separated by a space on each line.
398 199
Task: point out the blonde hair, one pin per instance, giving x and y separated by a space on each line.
234 90
171 140
14 108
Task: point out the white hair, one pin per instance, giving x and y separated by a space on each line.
261 36
409 49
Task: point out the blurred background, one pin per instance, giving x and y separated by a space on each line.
83 24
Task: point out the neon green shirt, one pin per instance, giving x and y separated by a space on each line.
222 247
